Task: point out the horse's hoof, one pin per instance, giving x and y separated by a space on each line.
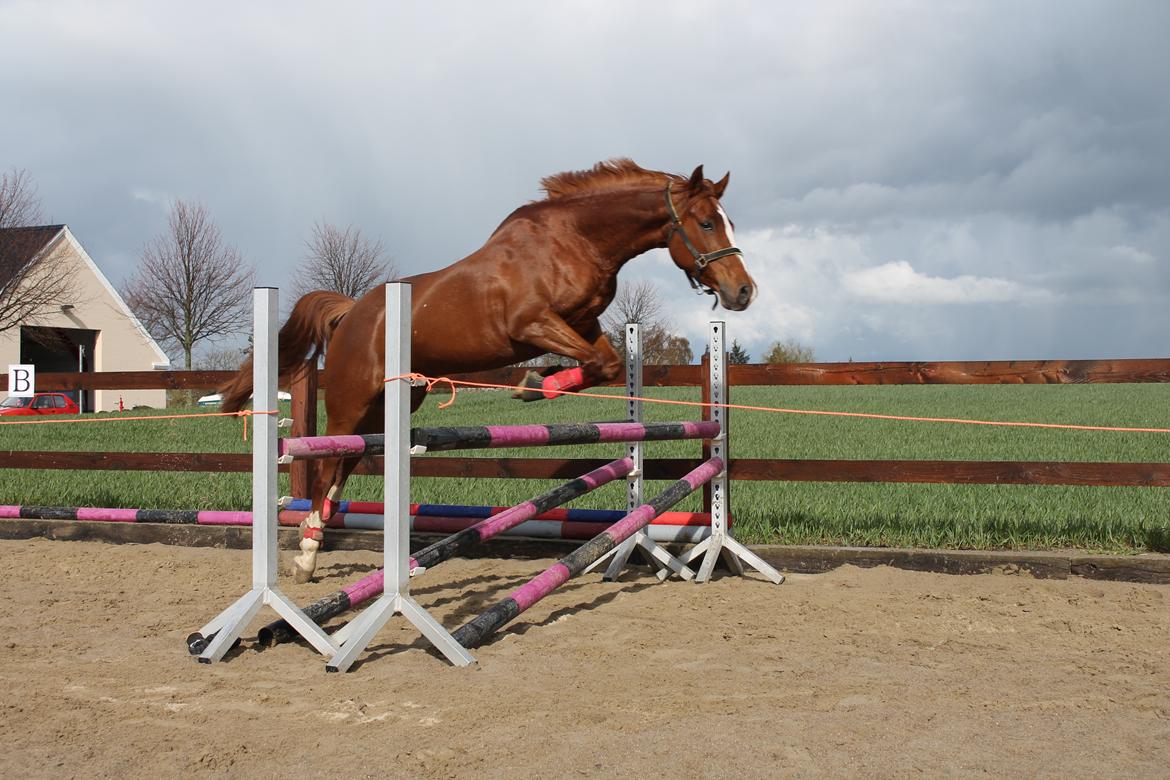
301 576
531 389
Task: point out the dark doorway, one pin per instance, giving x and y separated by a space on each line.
66 350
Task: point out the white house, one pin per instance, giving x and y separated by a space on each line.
93 331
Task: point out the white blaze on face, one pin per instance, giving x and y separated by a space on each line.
726 225
731 242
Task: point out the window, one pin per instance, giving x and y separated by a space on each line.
43 402
15 403
58 402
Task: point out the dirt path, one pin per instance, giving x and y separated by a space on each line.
872 672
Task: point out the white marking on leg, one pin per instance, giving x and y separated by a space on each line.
306 562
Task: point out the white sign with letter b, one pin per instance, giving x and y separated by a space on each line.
22 380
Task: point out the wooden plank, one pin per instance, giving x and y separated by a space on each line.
1150 567
129 380
129 461
953 372
869 373
1147 567
756 469
954 472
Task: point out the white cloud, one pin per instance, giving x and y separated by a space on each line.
153 197
898 282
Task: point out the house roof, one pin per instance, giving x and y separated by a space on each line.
19 245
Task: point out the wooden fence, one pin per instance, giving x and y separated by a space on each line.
306 387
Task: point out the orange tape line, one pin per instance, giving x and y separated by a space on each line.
779 410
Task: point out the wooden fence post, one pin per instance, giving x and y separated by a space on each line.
304 423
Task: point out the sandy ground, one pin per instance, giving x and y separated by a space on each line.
873 672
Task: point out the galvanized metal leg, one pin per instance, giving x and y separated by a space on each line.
660 560
721 544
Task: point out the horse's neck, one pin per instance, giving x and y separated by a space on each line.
621 226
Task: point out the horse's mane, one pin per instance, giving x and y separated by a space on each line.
606 176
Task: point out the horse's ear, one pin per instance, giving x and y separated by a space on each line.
721 185
696 182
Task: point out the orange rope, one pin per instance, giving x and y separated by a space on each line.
245 413
432 381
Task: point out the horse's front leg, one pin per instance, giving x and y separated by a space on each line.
599 361
326 493
328 483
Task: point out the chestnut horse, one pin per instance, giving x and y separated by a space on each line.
538 285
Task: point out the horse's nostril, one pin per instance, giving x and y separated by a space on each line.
745 294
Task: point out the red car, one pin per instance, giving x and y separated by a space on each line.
41 403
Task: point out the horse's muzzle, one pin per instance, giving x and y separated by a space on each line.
737 299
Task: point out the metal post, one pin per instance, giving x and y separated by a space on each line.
721 542
232 621
634 485
619 557
395 598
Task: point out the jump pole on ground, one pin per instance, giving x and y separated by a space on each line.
372 584
475 632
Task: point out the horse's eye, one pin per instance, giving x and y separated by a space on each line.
707 225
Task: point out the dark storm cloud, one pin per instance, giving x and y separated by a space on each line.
912 179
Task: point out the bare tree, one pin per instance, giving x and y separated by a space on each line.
789 351
20 206
660 347
190 286
33 279
223 359
641 303
344 261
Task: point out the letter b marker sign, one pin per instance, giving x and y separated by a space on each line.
22 380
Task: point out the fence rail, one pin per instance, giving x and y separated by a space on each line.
967 472
986 372
307 384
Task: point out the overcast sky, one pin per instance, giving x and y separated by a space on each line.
909 180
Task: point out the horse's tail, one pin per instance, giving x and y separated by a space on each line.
304 335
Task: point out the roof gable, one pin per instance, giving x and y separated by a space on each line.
19 245
112 292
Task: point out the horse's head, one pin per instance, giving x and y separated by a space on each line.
701 242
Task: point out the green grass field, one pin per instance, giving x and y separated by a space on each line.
957 516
